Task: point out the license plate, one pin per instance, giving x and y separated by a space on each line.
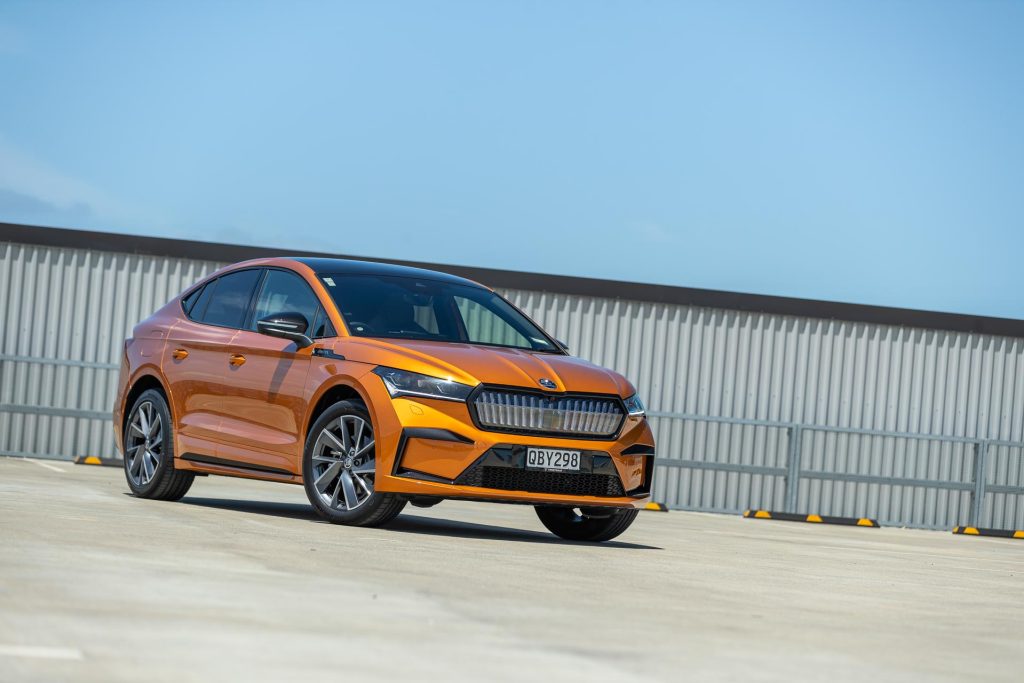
552 459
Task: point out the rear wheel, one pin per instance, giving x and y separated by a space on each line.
149 450
586 524
339 469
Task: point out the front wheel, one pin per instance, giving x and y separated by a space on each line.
586 524
339 469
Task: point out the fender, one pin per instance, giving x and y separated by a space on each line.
329 376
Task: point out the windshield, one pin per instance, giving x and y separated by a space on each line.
431 310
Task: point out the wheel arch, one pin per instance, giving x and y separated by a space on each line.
141 384
329 395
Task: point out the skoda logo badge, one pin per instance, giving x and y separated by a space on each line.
547 384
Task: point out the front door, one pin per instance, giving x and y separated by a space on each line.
265 401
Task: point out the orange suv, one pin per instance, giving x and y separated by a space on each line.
373 386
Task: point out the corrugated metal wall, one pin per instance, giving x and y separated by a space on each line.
699 361
76 306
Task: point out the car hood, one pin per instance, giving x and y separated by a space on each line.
473 364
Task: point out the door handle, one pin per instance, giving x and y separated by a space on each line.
236 359
179 354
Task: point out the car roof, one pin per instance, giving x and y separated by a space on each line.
340 266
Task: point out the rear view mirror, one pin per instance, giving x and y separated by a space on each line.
286 325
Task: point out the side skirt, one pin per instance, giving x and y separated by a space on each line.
233 468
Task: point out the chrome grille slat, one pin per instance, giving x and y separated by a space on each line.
503 409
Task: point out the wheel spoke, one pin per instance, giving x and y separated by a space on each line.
334 496
144 420
365 448
360 426
368 488
135 426
136 461
147 474
349 491
346 438
338 446
325 479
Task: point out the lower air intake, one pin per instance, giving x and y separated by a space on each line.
535 481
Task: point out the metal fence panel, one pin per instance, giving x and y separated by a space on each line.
1003 508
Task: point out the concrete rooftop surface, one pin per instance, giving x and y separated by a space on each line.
240 580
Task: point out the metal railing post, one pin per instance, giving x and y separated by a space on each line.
795 435
978 494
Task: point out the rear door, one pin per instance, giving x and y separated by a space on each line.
197 361
265 404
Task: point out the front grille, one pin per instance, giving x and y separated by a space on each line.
519 411
537 481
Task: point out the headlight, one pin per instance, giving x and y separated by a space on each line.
402 383
635 407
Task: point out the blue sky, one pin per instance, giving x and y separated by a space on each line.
870 152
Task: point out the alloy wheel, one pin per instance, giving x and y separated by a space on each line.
145 444
344 463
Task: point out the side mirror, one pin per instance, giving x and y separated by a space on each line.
290 326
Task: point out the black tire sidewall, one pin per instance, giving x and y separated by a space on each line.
167 436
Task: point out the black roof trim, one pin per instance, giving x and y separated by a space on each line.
345 266
510 279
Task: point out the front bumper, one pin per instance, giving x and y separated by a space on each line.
429 447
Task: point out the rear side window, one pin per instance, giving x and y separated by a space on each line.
198 306
229 299
187 302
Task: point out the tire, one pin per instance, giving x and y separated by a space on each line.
149 450
586 524
339 469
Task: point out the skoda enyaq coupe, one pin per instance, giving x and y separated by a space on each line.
373 386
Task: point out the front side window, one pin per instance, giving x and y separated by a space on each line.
285 292
431 310
228 299
322 326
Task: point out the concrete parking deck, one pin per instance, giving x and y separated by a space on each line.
241 581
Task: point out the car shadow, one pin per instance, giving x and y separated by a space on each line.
407 523
446 527
257 507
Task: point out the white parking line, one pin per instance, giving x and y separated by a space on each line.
38 652
46 465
